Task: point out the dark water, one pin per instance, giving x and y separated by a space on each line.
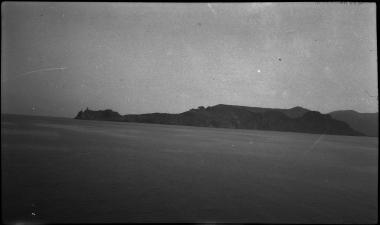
58 170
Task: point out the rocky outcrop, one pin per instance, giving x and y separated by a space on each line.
99 115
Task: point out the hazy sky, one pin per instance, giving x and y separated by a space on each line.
58 58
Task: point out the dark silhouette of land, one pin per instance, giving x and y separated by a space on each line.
295 119
366 123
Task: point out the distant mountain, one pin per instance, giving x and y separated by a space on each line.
366 123
296 119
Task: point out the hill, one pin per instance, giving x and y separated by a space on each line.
296 119
366 123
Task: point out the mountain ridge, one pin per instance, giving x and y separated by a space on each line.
296 119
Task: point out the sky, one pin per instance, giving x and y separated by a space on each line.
58 58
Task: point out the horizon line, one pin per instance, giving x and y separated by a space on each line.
45 115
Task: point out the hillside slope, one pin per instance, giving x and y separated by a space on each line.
366 123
